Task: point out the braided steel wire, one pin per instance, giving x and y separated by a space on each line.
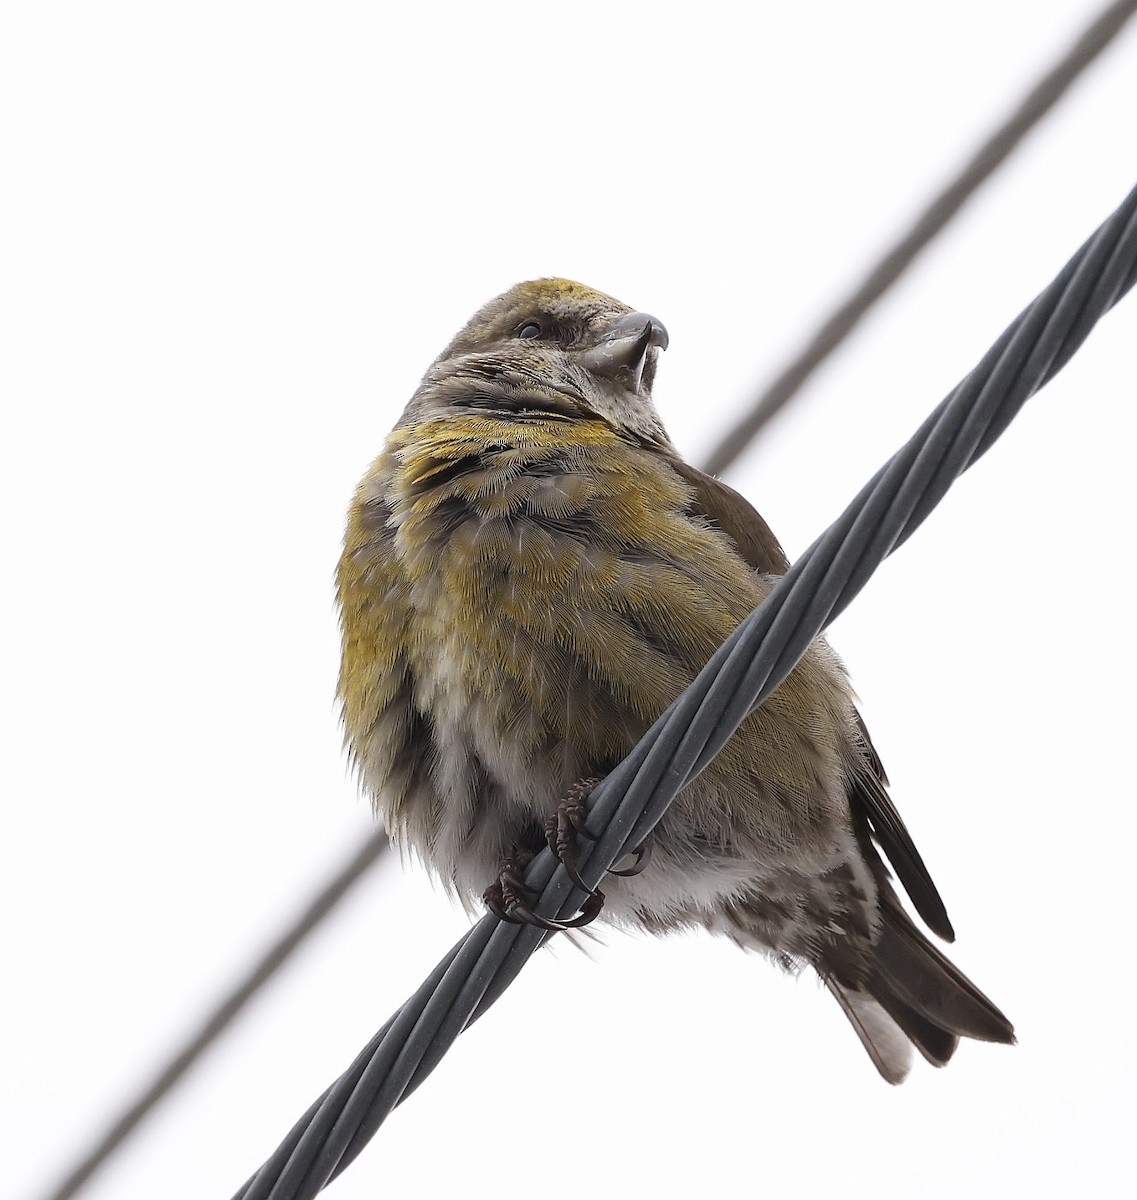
745 670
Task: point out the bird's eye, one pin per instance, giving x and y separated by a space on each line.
529 330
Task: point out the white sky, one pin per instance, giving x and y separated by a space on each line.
233 237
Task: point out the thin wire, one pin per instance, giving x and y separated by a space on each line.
361 859
899 257
743 672
1041 98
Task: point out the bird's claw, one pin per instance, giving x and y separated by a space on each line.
643 857
508 898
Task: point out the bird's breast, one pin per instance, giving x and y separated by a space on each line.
559 593
527 552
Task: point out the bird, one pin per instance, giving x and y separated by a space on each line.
531 573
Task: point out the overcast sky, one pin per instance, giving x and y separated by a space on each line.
233 237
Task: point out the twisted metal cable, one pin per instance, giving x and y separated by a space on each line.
745 670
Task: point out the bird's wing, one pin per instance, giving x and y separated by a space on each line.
740 521
737 518
868 799
389 740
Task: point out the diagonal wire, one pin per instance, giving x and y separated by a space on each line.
1038 101
899 257
361 859
743 672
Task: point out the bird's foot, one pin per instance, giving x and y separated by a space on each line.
509 899
569 821
567 824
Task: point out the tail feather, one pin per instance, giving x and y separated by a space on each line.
896 988
907 967
935 1044
912 995
886 1042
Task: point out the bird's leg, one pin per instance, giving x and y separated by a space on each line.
566 824
508 898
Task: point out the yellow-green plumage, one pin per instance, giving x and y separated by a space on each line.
574 605
530 576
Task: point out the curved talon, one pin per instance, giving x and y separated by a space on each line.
492 899
507 899
588 913
643 857
522 914
569 864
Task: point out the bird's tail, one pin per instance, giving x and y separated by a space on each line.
912 995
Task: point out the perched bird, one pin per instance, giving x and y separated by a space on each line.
530 575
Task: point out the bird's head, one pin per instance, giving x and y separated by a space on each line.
554 347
